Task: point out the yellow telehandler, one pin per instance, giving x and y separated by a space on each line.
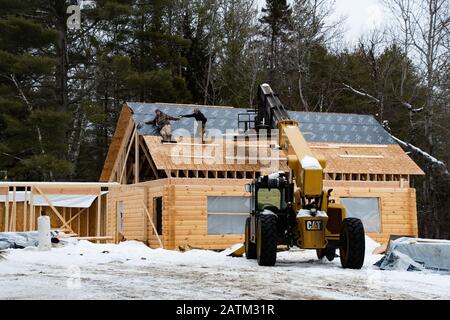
292 208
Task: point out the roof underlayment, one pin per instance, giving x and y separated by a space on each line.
316 127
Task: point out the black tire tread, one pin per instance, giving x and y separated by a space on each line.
250 247
269 240
354 257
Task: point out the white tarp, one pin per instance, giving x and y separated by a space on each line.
410 254
57 200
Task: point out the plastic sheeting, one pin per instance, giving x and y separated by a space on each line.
21 240
226 224
63 201
226 215
410 254
229 205
18 240
366 209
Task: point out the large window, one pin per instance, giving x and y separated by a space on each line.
366 209
226 215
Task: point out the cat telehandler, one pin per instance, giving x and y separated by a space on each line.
292 208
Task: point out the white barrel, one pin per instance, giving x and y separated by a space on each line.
45 240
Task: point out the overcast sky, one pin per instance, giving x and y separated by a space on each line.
362 16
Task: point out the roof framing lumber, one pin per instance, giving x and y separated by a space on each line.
149 158
124 164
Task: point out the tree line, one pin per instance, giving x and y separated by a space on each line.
61 90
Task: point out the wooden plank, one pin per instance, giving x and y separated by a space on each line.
53 208
13 222
149 159
25 211
136 157
32 212
99 208
100 238
70 190
125 125
153 225
124 165
80 185
7 217
73 217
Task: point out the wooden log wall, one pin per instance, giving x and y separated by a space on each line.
185 217
397 205
136 225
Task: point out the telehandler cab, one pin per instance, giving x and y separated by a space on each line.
291 208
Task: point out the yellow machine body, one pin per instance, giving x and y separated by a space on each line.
312 232
307 178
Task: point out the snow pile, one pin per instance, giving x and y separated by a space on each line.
135 253
371 245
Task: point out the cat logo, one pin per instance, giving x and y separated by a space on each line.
314 225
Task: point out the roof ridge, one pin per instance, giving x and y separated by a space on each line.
168 104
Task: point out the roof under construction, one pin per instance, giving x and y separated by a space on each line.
350 143
316 127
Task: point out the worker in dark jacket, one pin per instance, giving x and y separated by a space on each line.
162 121
201 121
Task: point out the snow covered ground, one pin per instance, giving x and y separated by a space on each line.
130 270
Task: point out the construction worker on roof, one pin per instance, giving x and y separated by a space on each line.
201 121
162 121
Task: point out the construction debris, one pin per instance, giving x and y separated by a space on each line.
411 254
22 240
237 250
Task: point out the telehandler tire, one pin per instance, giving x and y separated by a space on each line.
250 247
353 244
267 240
330 253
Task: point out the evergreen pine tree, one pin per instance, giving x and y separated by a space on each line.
32 127
277 15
